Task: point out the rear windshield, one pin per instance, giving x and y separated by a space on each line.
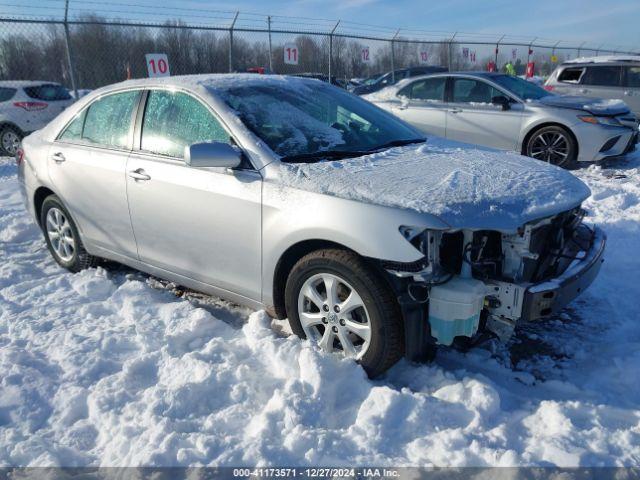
49 93
6 94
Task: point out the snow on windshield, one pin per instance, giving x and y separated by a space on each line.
294 130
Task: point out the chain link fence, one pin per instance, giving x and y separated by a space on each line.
85 49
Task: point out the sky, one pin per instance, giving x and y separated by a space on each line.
615 22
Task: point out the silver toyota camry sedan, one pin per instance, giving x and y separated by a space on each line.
509 113
295 196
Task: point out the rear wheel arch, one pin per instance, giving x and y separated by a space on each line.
535 128
39 196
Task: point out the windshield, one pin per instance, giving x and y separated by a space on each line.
521 88
304 118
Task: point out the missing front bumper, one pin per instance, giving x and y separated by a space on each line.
546 298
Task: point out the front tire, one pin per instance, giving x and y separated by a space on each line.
553 144
333 298
61 235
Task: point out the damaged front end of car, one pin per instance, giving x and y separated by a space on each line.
474 284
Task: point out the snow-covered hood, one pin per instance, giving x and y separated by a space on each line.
466 187
597 106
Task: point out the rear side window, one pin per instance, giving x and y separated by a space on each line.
6 94
108 120
427 89
633 77
571 75
603 75
49 93
174 120
74 129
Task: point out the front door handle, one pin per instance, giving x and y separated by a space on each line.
455 110
583 90
58 157
139 174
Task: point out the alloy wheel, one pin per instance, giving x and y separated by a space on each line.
333 315
551 147
10 141
60 234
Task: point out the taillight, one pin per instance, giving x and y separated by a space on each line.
31 106
19 156
548 88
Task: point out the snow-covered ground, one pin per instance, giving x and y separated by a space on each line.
110 367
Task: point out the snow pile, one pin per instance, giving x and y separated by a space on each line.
104 368
605 104
464 186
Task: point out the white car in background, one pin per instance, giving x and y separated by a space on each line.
613 77
26 106
500 111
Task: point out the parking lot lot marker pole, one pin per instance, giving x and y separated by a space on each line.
72 74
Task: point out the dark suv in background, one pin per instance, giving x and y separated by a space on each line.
390 78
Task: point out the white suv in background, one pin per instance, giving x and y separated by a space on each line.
615 77
26 106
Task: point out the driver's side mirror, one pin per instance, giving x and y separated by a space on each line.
501 101
215 154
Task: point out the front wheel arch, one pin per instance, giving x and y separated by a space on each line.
540 126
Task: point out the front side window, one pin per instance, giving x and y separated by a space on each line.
427 89
108 120
468 90
603 76
298 118
633 77
174 120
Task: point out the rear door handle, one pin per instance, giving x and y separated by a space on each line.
58 157
139 174
455 110
583 90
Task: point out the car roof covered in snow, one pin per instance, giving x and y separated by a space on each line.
605 59
25 83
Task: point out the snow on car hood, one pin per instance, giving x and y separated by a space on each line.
466 187
597 106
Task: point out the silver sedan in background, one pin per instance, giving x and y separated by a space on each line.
509 113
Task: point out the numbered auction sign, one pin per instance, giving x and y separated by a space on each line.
157 64
365 55
423 56
291 54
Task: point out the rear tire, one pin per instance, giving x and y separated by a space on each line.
62 237
553 144
367 323
10 138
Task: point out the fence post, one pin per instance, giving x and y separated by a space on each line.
580 48
393 57
497 47
449 51
68 45
270 52
331 48
233 23
529 49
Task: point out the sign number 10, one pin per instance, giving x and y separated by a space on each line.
157 64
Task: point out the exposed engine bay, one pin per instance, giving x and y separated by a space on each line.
487 281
